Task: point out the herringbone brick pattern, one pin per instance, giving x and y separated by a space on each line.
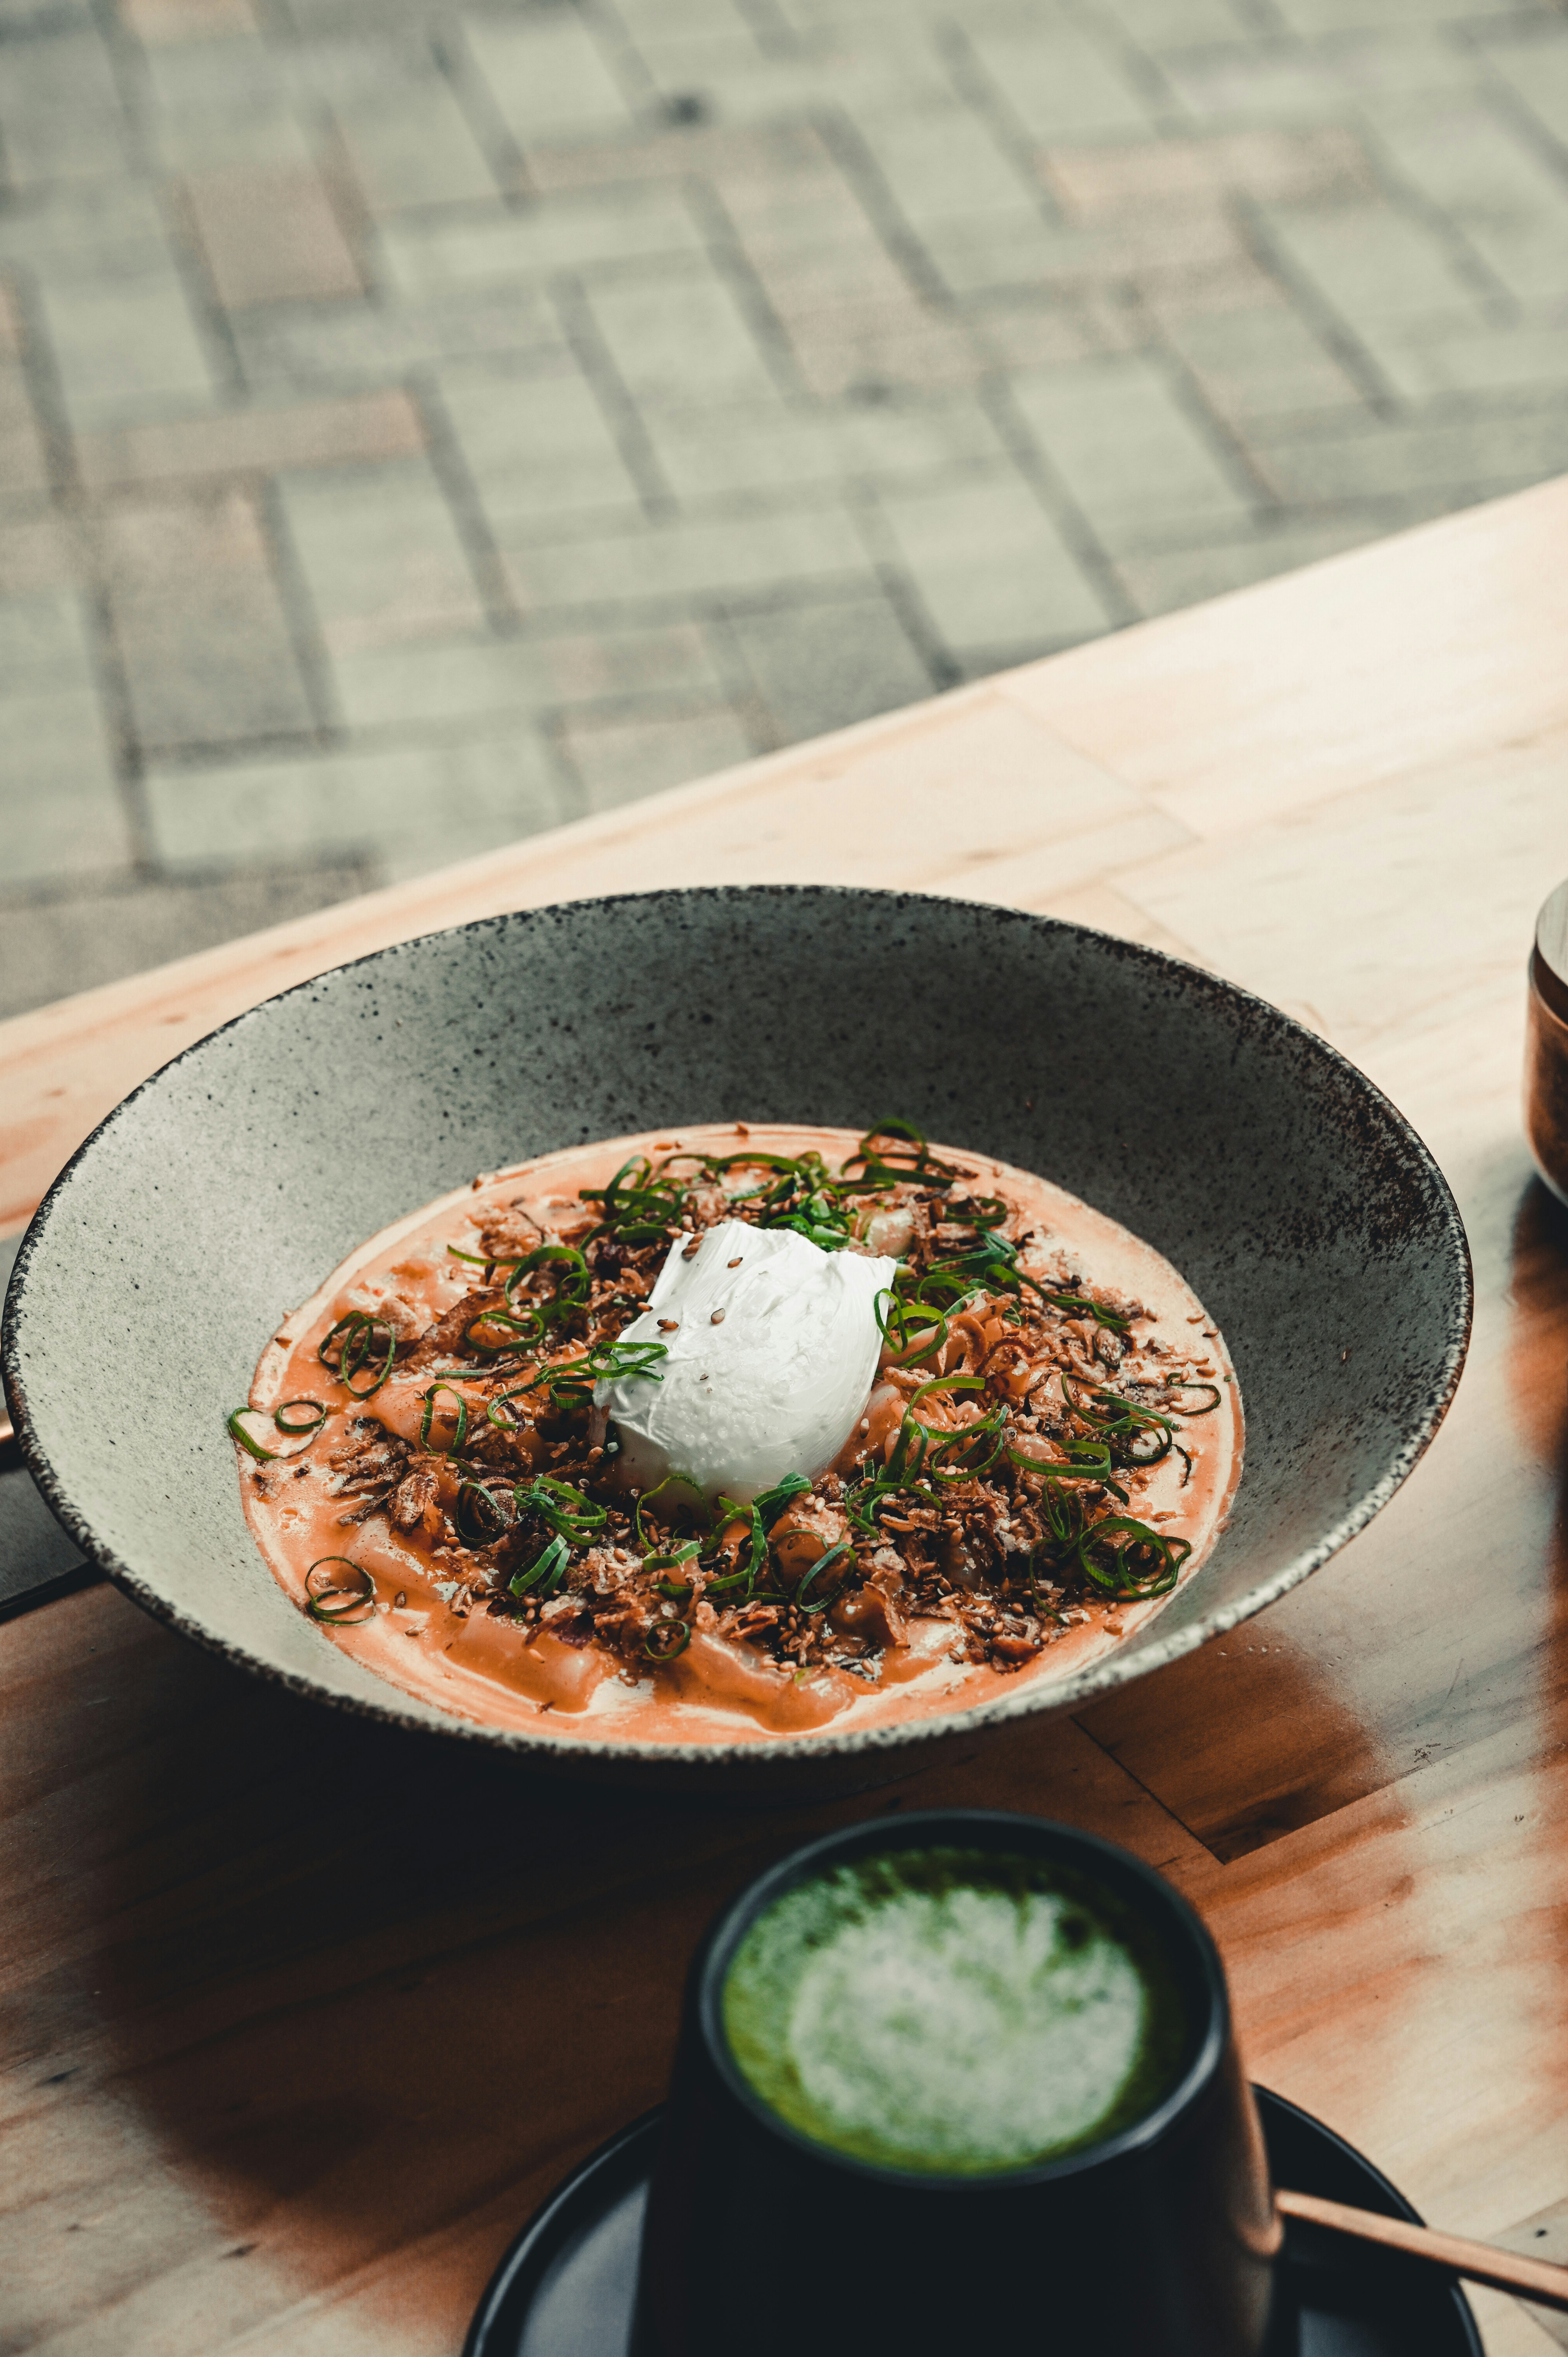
419 426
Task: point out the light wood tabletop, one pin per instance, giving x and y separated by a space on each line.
301 2019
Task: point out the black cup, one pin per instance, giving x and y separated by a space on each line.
1157 2242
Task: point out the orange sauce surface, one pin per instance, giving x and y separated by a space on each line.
483 1667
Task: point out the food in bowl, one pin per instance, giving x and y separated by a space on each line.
728 1433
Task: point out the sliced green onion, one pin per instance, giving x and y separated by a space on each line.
673 1637
238 1432
472 1531
1208 1407
357 1336
319 1412
1104 1562
515 1332
565 1510
830 1555
688 1498
461 1434
548 1567
330 1601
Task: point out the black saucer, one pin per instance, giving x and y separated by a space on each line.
566 2285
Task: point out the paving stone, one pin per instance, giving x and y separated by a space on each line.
43 644
710 452
677 335
41 551
271 236
1474 457
852 315
615 227
1167 578
1159 245
155 21
1129 451
942 163
1042 327
381 554
992 568
1271 163
623 761
78 940
1171 226
988 252
123 344
364 343
1256 84
206 139
219 103
462 679
207 652
60 117
1376 62
1372 264
878 346
735 82
548 78
263 440
411 808
1465 358
1509 204
1311 16
24 460
1533 62
688 559
823 666
1059 81
411 144
1160 24
659 17
86 231
538 447
1260 363
762 161
60 810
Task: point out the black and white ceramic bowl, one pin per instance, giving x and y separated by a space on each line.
1311 1219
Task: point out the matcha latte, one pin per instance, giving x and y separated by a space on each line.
960 2012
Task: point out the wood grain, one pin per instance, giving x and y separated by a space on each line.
300 2018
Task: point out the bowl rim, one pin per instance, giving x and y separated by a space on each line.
1037 1697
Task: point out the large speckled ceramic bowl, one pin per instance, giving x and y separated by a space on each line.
1311 1219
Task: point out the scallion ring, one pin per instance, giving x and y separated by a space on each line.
330 1601
238 1432
358 1338
673 1637
548 1570
425 1421
830 1554
319 1412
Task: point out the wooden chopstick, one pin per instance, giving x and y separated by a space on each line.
1536 2279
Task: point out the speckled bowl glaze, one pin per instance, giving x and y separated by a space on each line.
1311 1219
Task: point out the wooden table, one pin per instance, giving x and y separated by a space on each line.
303 2019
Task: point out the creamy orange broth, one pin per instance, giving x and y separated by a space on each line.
481 1667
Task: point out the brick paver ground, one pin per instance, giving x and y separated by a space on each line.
419 426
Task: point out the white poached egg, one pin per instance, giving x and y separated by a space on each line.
771 1345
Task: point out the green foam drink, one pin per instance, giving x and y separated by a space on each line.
954 2012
